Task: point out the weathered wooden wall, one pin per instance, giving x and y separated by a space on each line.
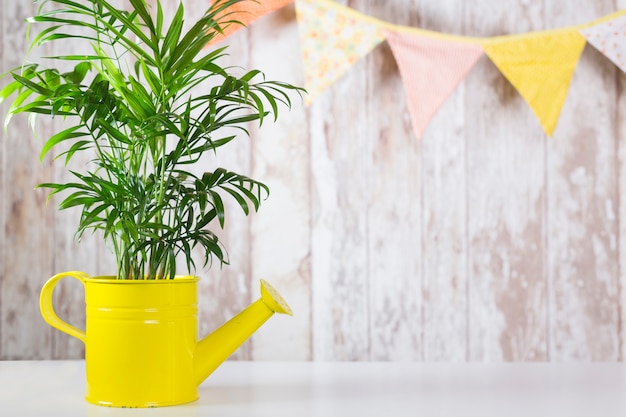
484 241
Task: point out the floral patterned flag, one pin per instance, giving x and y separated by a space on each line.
431 68
609 38
332 39
247 12
540 66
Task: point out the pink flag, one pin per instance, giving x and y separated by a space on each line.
247 12
431 68
610 39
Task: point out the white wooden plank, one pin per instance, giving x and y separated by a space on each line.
620 138
338 238
3 182
281 229
340 188
582 206
506 199
444 202
28 221
394 210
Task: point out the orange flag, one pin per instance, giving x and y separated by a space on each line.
247 12
431 68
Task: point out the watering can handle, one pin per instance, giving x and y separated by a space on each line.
47 310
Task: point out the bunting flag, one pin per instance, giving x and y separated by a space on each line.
332 40
247 12
431 69
609 38
540 67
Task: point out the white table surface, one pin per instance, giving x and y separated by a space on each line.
350 389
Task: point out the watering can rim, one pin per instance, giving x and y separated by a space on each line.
112 279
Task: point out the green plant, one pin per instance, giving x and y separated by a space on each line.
131 103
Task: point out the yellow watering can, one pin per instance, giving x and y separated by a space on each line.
141 337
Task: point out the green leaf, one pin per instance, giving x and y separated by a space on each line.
67 134
219 207
77 57
79 73
173 33
240 200
37 88
80 145
77 199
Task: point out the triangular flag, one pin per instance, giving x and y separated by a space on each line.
431 69
610 39
247 12
540 67
332 39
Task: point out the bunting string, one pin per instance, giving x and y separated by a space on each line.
539 65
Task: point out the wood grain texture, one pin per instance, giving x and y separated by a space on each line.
505 203
280 251
444 204
394 210
484 240
339 246
620 140
28 247
582 207
339 130
3 177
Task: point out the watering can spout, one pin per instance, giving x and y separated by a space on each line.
215 348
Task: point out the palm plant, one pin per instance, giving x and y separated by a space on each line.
133 104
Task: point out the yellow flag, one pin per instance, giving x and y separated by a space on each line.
540 66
